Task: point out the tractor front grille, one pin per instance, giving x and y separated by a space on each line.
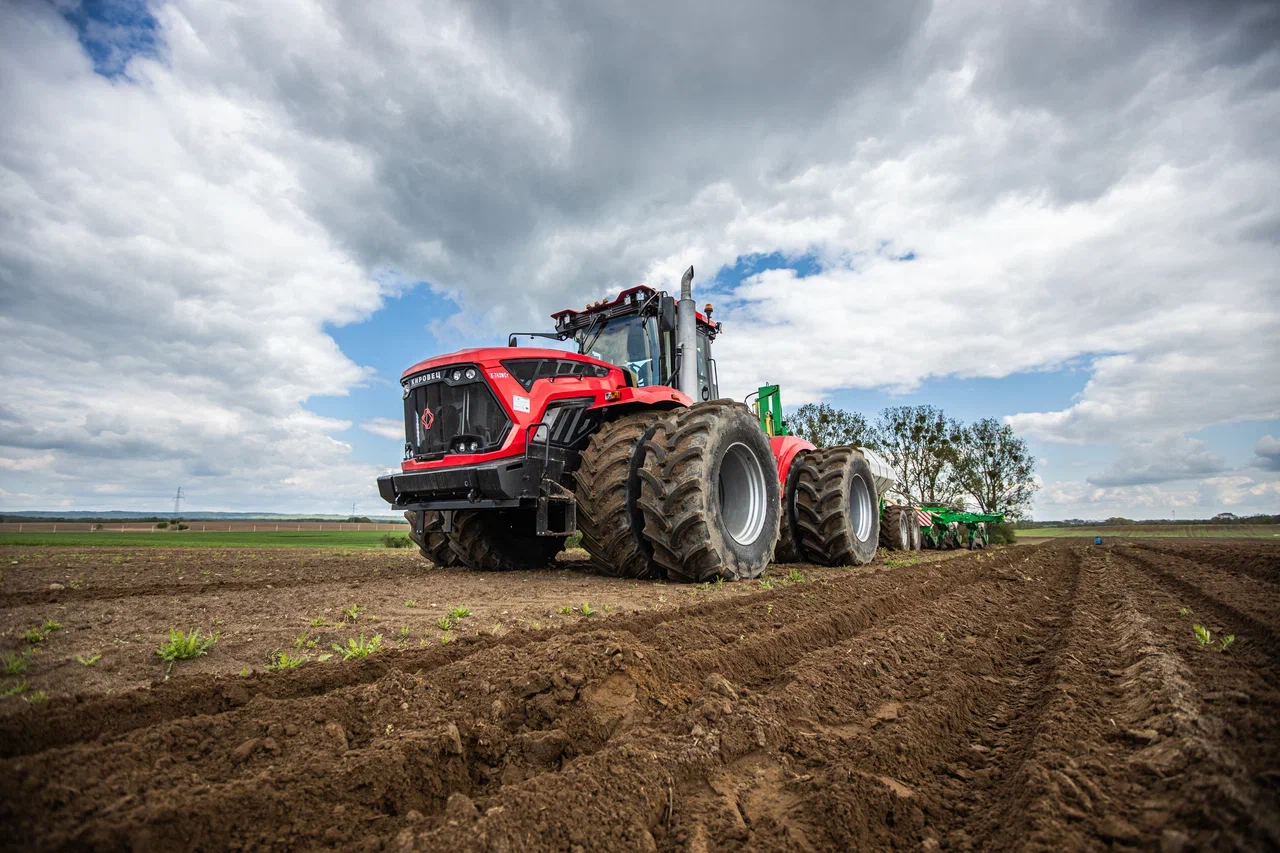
452 410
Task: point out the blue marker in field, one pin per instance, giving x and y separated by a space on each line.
1097 540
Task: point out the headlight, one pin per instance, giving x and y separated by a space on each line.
471 373
475 445
457 375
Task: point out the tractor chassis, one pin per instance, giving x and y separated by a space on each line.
531 480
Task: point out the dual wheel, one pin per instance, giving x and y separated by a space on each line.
691 495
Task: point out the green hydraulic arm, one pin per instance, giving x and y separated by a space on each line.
769 408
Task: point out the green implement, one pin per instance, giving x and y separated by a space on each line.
944 530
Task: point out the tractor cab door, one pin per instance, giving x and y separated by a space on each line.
707 381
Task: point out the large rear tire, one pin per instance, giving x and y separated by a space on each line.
837 509
607 489
916 534
895 535
709 493
434 543
502 540
789 548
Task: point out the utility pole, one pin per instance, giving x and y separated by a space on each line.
353 509
177 501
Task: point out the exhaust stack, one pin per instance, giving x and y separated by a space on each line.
687 337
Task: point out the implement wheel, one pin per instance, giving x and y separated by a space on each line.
916 534
709 493
607 488
837 509
895 532
502 540
434 543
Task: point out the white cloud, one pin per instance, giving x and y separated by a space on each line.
1171 457
385 428
1075 183
1266 453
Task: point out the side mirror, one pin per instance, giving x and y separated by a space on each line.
666 313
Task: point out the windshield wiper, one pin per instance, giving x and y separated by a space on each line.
586 347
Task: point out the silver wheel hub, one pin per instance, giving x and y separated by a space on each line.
860 508
742 494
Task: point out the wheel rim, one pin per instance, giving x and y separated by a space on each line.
742 494
860 508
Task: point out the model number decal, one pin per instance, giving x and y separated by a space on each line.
497 374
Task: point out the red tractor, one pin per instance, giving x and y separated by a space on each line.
510 450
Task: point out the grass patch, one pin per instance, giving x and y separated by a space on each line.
213 539
359 647
14 689
183 646
392 540
279 660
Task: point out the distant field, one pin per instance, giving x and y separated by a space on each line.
1161 531
221 539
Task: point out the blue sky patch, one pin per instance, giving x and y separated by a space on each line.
114 31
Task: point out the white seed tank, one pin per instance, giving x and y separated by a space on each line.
880 470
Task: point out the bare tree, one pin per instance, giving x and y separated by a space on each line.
921 444
827 426
994 467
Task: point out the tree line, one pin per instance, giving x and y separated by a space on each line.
937 460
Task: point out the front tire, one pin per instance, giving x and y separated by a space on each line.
434 542
502 540
837 509
709 494
607 489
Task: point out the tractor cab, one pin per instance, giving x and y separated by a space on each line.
637 332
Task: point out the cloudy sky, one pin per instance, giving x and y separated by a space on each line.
224 231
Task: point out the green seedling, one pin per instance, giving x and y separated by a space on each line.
37 698
586 609
1182 611
796 576
89 660
244 673
566 610
404 633
300 642
35 635
75 584
317 622
359 647
182 646
411 603
445 639
459 612
1225 642
280 660
14 689
324 657
1202 634
352 613
765 583
444 623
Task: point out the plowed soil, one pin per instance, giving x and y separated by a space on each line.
1046 697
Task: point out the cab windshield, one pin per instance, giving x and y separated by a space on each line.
629 342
